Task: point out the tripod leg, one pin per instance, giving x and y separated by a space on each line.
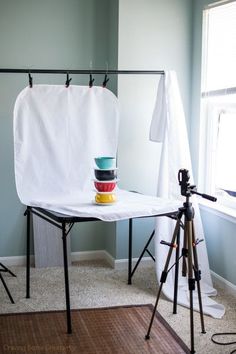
176 273
6 288
163 276
191 322
191 281
185 250
153 312
198 278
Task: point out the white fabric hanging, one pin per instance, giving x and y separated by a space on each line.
168 127
57 133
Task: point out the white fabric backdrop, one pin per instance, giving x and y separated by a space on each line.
57 133
168 126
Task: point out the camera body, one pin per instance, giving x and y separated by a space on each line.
183 178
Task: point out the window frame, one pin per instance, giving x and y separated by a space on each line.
211 105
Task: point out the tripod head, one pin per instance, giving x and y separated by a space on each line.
187 189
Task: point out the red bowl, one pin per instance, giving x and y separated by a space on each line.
104 186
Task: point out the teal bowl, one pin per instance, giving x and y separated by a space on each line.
105 162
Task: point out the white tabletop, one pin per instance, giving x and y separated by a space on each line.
128 205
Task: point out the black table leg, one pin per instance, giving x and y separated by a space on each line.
130 251
66 274
28 255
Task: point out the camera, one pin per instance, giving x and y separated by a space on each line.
186 189
183 178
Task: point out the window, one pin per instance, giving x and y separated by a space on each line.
218 103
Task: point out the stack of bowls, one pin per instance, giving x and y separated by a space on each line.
105 180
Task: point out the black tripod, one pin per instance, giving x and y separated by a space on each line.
5 269
189 254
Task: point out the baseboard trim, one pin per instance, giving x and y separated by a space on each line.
118 264
223 283
75 256
92 255
123 263
104 255
16 260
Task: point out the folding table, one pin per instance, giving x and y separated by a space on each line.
65 223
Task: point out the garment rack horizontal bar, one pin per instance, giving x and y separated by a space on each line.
81 71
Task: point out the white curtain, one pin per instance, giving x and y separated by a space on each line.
168 127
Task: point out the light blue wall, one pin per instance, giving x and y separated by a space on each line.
220 233
69 34
153 34
142 229
221 245
57 34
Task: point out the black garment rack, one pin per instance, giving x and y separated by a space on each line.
64 221
82 71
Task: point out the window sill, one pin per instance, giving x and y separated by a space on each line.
218 209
